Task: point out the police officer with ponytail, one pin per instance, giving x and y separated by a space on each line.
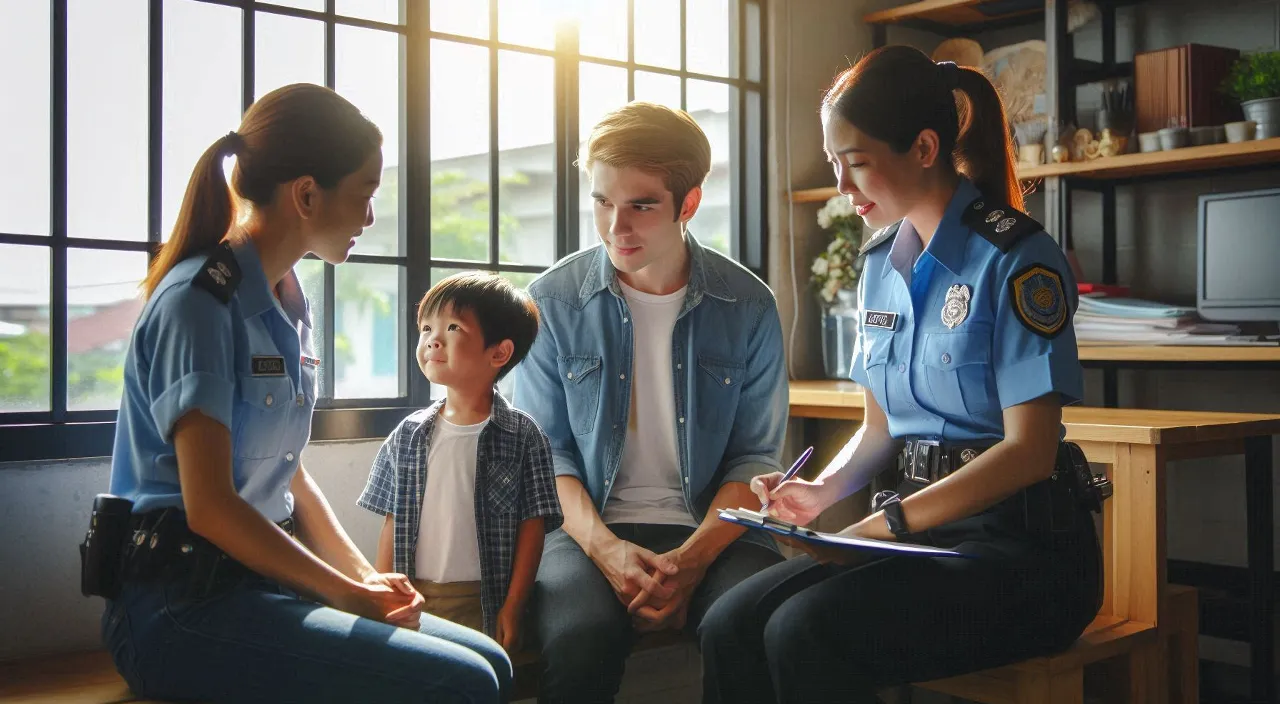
235 580
967 356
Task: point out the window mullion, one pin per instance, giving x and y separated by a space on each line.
58 212
415 182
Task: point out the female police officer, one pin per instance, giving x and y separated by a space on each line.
220 383
967 355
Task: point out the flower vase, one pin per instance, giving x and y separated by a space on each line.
839 334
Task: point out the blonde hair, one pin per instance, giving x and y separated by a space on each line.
652 138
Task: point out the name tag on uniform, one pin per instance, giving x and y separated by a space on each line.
880 319
310 361
267 366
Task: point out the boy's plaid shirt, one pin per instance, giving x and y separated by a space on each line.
514 482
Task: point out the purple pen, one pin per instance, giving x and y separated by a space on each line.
795 468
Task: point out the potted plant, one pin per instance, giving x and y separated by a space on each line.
1254 80
834 277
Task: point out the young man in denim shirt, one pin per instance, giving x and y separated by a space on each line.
659 378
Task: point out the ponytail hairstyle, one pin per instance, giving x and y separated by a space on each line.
896 92
295 131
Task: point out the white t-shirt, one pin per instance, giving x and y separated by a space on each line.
448 547
647 487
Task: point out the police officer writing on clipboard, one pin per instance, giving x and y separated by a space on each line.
216 600
967 355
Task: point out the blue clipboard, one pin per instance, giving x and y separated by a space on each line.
760 521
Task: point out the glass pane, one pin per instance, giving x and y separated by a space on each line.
317 5
368 335
287 50
24 328
368 74
658 33
754 39
602 29
106 65
201 91
310 273
528 22
707 49
377 10
658 88
24 121
526 158
600 89
709 105
520 278
459 151
103 303
466 17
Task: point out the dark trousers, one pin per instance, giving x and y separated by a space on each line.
812 633
584 630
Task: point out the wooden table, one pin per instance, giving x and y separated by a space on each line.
1137 444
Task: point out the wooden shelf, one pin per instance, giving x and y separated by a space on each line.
953 13
1188 159
1179 353
1207 158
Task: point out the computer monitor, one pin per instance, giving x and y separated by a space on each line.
1238 256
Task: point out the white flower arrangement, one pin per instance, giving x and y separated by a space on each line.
839 266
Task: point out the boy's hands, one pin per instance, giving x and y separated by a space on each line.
508 628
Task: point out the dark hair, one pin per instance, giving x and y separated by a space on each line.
294 131
503 311
896 92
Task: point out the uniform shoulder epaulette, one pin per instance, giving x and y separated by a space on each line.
220 273
1000 224
880 237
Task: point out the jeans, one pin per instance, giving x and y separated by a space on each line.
585 632
810 633
255 641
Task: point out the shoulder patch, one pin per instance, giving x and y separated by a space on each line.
220 273
1000 224
880 237
1038 299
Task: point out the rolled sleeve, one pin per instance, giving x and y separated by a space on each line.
1035 347
380 489
192 367
760 426
538 497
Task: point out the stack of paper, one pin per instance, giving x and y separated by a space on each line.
1109 320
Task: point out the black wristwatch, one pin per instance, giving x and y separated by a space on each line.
891 504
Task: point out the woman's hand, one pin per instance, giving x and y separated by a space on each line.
796 501
385 597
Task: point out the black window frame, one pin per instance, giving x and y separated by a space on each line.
62 434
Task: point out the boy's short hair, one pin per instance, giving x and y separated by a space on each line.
503 311
652 138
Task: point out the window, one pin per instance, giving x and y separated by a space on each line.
484 105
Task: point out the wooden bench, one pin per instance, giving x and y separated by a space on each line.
1144 621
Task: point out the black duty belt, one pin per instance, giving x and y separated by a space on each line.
925 461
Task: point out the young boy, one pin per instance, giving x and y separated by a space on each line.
466 484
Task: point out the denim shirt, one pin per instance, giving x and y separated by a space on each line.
727 364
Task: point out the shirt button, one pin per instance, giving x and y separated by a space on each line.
681 419
624 320
946 358
301 399
569 375
615 426
727 381
622 376
288 456
902 367
269 399
679 365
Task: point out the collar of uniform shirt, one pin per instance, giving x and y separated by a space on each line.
255 293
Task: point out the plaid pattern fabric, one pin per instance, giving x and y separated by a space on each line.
514 482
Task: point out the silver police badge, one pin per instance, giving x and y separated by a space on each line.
956 307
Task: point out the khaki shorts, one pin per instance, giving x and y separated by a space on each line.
458 602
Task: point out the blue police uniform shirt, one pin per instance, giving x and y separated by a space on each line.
214 338
979 321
